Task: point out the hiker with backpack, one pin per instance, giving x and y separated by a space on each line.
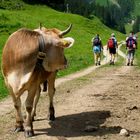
131 46
112 46
97 48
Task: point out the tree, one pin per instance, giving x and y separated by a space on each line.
81 7
56 4
136 26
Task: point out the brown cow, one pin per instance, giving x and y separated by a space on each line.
31 57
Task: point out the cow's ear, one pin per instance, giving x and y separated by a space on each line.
66 42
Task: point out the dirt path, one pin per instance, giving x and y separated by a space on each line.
106 99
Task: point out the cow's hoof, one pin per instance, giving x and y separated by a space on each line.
28 133
19 129
52 118
51 114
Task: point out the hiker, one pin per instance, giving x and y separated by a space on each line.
112 45
97 48
131 46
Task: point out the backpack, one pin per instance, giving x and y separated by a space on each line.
111 43
96 41
130 42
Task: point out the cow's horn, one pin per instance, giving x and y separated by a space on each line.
66 31
40 26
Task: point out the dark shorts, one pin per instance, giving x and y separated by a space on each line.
112 50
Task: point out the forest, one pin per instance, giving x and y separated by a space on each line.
113 13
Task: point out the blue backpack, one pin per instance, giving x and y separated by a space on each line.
130 42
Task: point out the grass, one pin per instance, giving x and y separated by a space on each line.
79 56
128 28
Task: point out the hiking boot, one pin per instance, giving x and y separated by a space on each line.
96 64
131 63
113 63
99 63
110 62
128 64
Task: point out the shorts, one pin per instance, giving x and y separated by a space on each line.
112 50
96 49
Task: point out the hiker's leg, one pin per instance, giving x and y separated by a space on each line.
128 62
111 58
132 57
96 58
128 58
99 59
110 53
114 55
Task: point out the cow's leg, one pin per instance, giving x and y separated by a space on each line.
19 119
29 105
35 103
51 92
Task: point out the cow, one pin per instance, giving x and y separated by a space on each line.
30 58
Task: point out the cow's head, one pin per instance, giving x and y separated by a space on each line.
54 48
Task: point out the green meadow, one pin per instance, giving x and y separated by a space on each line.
79 56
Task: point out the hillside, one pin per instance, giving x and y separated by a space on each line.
80 56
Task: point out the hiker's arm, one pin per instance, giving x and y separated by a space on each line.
101 45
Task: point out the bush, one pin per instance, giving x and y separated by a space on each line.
11 5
